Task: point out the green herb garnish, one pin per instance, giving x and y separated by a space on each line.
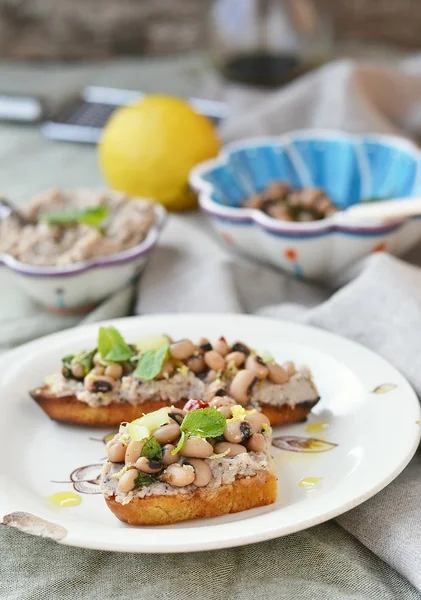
111 345
152 449
151 362
180 444
86 359
89 216
144 479
202 422
67 366
119 353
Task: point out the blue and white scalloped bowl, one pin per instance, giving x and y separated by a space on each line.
349 168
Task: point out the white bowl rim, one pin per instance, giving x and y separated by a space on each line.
329 224
126 256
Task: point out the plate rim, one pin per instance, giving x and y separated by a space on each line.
255 537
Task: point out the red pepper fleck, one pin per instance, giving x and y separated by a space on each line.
195 404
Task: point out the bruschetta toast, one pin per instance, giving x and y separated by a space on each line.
175 465
118 382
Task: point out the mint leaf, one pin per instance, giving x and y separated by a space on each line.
111 343
89 216
180 444
119 353
150 362
204 422
152 449
144 479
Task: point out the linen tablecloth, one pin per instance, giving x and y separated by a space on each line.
379 304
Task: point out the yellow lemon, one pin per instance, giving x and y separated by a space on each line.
148 149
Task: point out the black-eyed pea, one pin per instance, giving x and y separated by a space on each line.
179 475
99 383
256 421
237 432
182 350
196 363
117 452
133 451
78 371
276 373
230 448
226 411
203 473
240 347
242 385
174 410
255 364
289 367
219 401
236 358
254 201
216 388
98 370
195 447
127 481
167 433
205 345
214 360
221 346
145 465
167 457
114 370
256 443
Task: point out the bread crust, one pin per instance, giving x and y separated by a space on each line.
242 494
68 409
282 415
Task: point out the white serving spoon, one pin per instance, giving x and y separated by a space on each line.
384 210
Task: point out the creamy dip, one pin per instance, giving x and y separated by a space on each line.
299 388
41 243
224 472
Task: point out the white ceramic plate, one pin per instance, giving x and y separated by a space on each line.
367 424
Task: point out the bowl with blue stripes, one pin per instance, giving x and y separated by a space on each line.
349 168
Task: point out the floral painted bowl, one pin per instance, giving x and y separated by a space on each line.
349 168
78 287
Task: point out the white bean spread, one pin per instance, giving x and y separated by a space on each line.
173 459
65 227
182 370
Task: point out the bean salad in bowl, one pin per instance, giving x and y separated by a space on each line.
283 199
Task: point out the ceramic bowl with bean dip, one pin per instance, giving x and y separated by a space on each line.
70 249
281 200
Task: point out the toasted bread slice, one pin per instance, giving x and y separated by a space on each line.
242 494
68 409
